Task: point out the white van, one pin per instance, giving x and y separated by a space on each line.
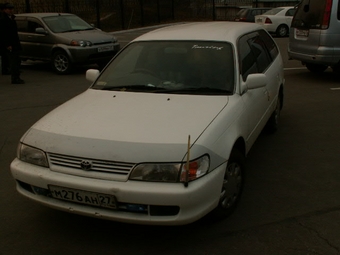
315 35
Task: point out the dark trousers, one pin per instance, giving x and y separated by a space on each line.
14 62
4 61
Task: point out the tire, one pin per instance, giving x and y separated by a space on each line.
61 62
232 186
316 68
282 31
273 122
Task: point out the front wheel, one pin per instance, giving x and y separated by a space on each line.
61 62
232 185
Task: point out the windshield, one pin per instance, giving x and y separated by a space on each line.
309 14
66 23
191 67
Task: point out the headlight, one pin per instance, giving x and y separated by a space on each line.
171 172
32 155
197 168
81 43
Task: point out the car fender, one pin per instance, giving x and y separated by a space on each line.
64 48
229 127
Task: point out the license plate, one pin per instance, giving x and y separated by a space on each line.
84 197
300 32
106 48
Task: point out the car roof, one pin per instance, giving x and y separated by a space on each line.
42 14
257 8
207 31
284 7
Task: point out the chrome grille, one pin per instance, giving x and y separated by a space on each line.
97 165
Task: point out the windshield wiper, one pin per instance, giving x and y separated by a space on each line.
199 90
136 88
71 30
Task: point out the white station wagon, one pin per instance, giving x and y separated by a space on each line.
162 134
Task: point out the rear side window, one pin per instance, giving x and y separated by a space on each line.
312 14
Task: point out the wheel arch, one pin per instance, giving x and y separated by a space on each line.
61 48
240 145
281 95
282 25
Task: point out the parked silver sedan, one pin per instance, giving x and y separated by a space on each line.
64 40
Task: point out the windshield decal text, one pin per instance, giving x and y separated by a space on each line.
210 47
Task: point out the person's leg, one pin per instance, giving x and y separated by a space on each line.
15 63
5 62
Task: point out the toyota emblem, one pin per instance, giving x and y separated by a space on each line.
85 164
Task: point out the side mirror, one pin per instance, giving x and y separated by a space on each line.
41 30
256 80
92 74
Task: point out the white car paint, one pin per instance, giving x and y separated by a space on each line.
125 129
282 19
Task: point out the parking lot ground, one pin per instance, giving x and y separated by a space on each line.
290 204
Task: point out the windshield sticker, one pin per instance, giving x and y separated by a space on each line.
209 47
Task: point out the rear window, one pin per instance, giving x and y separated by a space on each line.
311 14
273 11
242 13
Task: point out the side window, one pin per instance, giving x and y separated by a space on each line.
256 52
260 52
270 44
22 25
32 25
247 59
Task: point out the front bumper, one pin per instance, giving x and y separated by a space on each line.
166 203
93 54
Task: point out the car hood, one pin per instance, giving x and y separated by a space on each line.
95 36
125 126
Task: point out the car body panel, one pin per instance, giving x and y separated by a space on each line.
309 41
41 46
280 18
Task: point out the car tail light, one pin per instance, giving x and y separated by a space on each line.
242 19
326 15
268 21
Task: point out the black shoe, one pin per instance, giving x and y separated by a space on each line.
18 81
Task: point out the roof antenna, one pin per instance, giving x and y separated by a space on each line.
186 183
